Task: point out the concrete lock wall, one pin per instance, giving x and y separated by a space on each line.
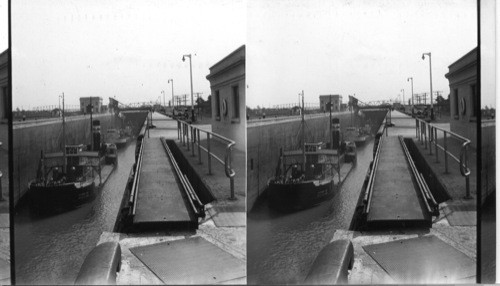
30 139
265 140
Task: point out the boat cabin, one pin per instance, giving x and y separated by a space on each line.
315 163
79 164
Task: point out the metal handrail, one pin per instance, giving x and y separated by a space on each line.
369 187
138 166
195 139
462 159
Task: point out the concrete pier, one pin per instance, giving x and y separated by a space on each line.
224 227
395 198
454 229
160 200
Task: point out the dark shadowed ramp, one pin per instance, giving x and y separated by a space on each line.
425 259
190 261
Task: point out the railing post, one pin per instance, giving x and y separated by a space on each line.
425 135
178 130
187 136
467 185
183 131
467 188
431 135
416 128
193 138
436 144
231 185
445 155
420 133
209 155
199 148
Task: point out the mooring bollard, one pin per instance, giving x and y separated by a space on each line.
332 264
101 265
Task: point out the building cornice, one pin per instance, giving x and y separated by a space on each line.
240 61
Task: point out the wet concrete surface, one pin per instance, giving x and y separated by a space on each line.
461 237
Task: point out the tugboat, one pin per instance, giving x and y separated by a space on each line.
361 137
65 179
111 153
304 177
125 135
350 152
120 138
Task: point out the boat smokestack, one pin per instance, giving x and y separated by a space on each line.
335 133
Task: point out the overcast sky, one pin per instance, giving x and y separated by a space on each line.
127 49
363 47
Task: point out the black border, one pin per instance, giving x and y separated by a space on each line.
478 149
11 162
11 165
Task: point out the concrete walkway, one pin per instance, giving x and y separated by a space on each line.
224 226
461 237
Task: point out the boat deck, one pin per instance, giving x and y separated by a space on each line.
160 197
395 198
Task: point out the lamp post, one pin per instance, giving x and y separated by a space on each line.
163 92
172 81
403 97
412 102
60 111
191 78
430 74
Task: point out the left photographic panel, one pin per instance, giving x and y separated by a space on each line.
129 142
5 271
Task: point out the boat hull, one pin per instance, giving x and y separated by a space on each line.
297 196
61 197
122 142
360 141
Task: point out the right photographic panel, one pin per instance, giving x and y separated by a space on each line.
362 142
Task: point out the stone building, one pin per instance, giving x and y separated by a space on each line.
227 84
336 102
462 78
96 104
